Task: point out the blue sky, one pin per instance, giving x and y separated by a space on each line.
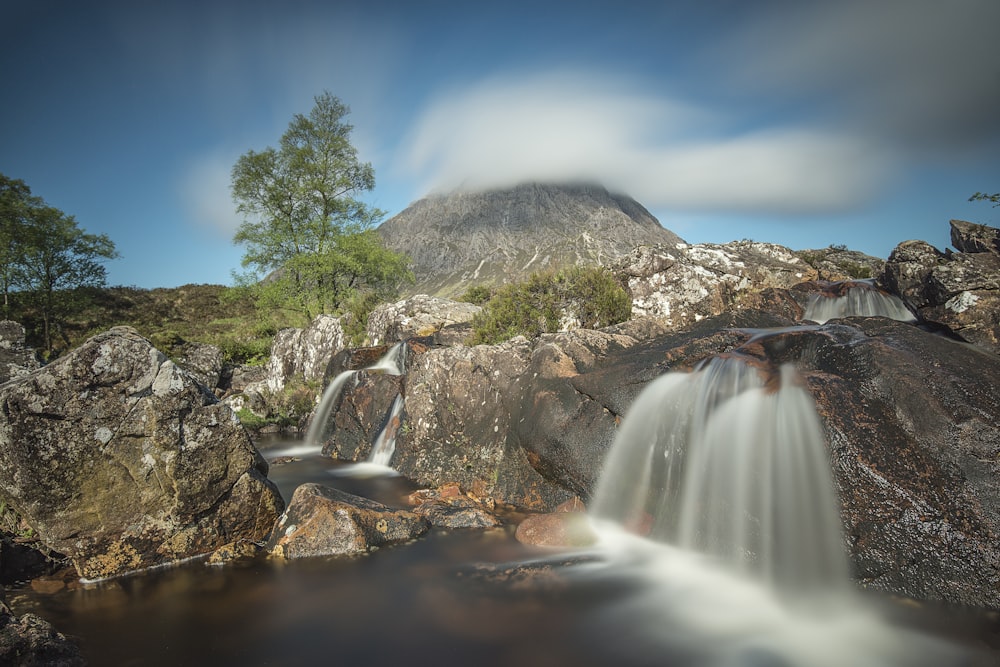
864 123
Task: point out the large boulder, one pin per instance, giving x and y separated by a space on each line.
29 641
682 284
959 290
304 354
416 316
322 521
119 459
16 359
460 422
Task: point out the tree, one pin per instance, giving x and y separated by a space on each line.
304 229
56 258
16 203
982 196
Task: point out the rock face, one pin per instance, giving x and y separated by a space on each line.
120 460
682 284
465 239
304 353
16 360
418 315
321 521
836 263
960 290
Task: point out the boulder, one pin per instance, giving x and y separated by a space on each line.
29 641
322 521
16 360
304 353
837 263
203 361
460 415
449 507
683 284
119 459
417 316
958 290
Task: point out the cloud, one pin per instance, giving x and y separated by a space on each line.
922 74
665 151
205 196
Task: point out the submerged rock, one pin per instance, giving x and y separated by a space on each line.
29 641
120 460
322 521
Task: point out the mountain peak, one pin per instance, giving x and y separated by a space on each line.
462 239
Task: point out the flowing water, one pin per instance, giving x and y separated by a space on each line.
742 565
858 298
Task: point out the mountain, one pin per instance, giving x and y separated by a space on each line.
474 238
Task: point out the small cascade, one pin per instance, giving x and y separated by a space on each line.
855 298
385 444
391 363
729 460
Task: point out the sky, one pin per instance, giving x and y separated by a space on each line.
805 123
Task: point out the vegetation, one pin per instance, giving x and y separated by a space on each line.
982 196
591 297
46 259
310 243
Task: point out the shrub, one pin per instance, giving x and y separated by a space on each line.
538 305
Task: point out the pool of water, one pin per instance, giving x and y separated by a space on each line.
480 597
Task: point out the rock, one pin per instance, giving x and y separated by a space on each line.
417 316
121 460
321 521
835 264
461 409
959 291
203 361
234 551
968 237
29 641
362 412
683 284
449 507
466 239
304 353
556 529
16 360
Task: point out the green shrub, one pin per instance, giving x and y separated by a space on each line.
539 304
477 294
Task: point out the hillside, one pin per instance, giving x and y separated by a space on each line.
464 239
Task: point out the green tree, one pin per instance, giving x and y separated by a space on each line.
982 196
305 231
56 258
16 204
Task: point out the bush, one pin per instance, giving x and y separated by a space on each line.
591 296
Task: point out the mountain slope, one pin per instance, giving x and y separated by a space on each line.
464 239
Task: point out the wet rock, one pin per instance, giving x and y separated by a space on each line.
234 551
321 521
449 507
459 419
16 360
567 526
683 284
363 410
29 641
120 460
959 290
417 316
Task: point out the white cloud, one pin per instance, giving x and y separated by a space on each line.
570 125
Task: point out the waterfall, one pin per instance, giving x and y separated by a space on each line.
729 460
391 363
855 298
385 443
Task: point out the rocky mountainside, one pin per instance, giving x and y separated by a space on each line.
464 239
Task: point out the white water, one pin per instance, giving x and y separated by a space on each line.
717 506
861 301
385 443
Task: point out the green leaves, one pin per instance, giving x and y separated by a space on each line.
303 223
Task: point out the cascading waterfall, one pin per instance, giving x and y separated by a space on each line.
729 460
855 298
385 443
